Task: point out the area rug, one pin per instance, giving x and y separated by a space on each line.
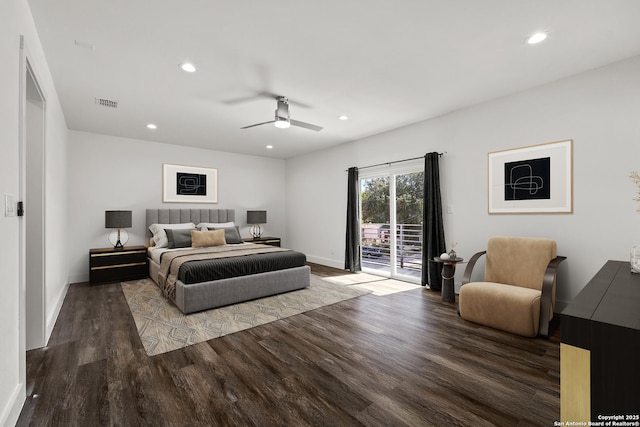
163 327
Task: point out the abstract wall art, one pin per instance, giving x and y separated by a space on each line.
189 184
535 179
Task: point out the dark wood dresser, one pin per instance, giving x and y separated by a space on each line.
600 348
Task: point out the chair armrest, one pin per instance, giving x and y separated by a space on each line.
545 298
466 277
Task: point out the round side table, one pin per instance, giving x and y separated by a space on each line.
448 272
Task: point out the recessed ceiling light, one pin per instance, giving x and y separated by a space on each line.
188 67
269 147
152 126
537 38
343 117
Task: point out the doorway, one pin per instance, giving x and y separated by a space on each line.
391 223
32 193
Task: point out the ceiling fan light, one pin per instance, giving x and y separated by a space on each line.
282 123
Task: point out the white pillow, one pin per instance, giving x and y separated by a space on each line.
159 235
204 226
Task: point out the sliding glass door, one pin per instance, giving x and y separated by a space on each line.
391 222
375 225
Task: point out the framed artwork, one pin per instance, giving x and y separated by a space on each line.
536 179
189 184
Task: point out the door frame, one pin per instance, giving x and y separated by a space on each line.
32 319
389 171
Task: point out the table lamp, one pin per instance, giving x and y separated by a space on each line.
118 220
255 219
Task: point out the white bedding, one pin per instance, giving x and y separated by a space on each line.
155 253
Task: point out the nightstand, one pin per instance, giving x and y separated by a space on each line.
273 241
117 265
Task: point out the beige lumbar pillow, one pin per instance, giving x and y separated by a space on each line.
203 239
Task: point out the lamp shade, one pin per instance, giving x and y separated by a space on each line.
256 217
117 219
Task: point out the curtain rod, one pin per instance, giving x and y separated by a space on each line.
397 161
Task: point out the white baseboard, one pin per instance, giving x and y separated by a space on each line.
51 320
11 412
325 261
78 278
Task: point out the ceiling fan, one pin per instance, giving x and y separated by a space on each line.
282 119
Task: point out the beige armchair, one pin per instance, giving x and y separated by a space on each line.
518 294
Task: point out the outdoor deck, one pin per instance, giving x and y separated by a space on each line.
376 249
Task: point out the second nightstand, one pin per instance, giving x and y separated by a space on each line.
273 241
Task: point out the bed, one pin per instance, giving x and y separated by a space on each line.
209 278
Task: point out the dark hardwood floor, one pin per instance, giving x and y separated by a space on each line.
394 360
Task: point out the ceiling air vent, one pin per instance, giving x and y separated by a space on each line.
103 102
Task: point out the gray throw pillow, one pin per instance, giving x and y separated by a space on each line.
231 234
178 238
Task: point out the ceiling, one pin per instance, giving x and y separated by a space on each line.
384 64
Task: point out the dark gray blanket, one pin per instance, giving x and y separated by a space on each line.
224 268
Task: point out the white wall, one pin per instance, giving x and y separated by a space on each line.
107 172
15 19
598 110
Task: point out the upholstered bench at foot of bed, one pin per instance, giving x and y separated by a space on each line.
510 308
206 295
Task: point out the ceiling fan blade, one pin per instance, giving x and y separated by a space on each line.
299 104
289 101
240 100
306 125
258 124
261 95
256 95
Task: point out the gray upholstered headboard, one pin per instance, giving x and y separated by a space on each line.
177 216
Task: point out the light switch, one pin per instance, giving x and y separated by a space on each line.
449 209
9 205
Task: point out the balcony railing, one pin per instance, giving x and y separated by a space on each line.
376 249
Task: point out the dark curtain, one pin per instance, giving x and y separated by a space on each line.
433 243
352 248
